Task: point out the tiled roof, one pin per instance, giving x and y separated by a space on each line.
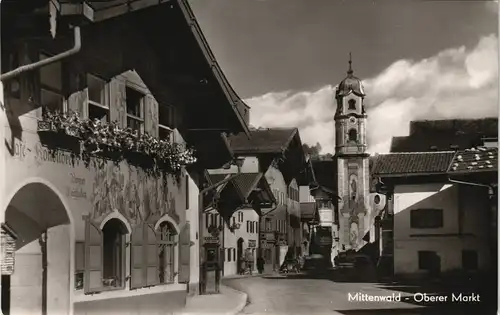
412 163
274 140
475 160
307 210
215 178
247 182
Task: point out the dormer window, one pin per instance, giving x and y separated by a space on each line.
352 104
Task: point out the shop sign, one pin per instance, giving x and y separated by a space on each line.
252 244
211 240
8 244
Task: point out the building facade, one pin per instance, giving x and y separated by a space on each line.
102 227
441 212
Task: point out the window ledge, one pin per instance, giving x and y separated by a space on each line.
80 296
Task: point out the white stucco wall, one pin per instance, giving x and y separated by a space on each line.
231 239
192 217
444 241
305 194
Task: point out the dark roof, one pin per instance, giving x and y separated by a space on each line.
274 140
307 210
483 126
435 142
247 182
325 173
215 178
412 163
445 135
475 160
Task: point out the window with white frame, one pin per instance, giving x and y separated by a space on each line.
51 87
98 99
165 122
166 254
135 110
113 250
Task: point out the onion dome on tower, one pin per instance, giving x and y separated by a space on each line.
350 84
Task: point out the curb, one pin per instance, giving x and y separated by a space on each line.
241 305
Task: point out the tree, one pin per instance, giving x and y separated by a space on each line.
312 151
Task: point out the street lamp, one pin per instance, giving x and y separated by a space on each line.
239 163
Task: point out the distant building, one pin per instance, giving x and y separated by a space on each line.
278 154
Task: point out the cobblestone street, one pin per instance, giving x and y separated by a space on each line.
301 295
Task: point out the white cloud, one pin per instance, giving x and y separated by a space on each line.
456 83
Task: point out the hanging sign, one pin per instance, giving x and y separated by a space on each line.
325 217
8 244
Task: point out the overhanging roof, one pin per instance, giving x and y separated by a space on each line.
163 43
411 164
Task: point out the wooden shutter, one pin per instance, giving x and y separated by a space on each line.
137 277
151 116
150 257
184 254
118 102
93 257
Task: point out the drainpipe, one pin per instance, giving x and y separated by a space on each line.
201 209
30 67
490 188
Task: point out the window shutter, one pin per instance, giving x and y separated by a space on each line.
118 102
93 258
184 254
151 116
137 277
151 256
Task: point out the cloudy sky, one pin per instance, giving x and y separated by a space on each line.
418 59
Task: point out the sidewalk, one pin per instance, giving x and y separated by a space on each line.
228 302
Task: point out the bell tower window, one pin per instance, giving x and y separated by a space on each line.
353 135
352 104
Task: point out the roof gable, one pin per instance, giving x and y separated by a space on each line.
275 140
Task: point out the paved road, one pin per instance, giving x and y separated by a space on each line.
302 295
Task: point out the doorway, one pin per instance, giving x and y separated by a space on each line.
239 253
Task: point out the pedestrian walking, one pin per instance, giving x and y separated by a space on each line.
260 264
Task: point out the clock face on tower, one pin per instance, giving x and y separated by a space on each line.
352 120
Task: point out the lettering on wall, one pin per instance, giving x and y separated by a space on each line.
77 187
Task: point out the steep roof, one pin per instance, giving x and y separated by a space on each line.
247 182
412 163
325 173
274 140
475 160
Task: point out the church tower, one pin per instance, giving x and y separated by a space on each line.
352 163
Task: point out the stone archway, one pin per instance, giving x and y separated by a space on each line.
45 238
